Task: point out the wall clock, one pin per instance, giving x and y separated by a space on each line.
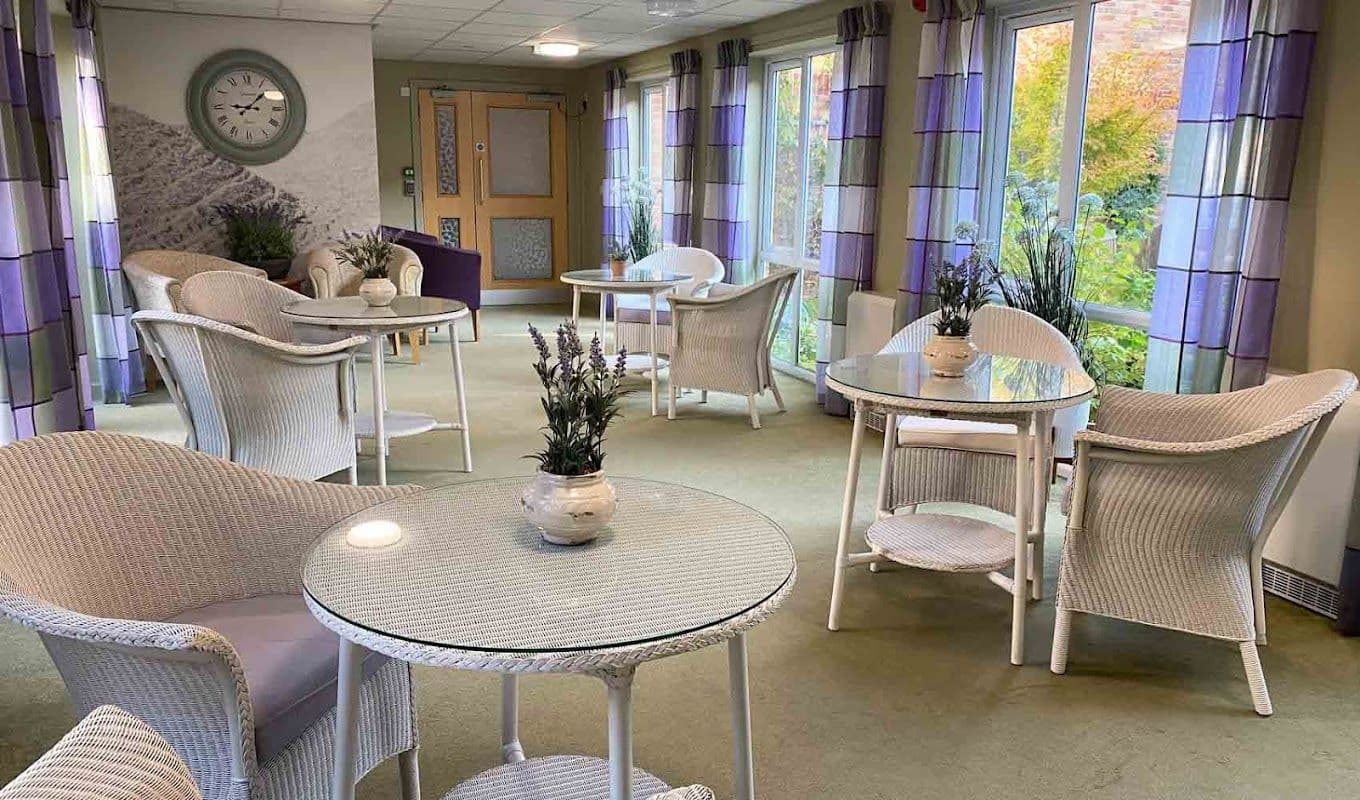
246 106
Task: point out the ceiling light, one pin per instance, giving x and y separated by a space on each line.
672 8
557 49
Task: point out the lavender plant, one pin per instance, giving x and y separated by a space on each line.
582 398
964 287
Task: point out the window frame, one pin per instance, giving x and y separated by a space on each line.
766 252
1001 30
645 143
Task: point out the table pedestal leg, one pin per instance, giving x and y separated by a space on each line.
347 716
511 750
847 516
462 394
1043 473
743 769
620 734
652 330
1025 447
603 332
576 305
376 350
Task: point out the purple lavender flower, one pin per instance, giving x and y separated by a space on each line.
539 342
621 364
597 362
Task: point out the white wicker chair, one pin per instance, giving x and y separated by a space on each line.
632 312
330 278
251 305
156 276
1172 501
283 408
722 342
111 546
109 755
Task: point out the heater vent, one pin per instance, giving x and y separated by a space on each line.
1310 593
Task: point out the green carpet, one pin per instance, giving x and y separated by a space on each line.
913 698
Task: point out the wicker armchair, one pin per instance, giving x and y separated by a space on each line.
632 312
330 278
156 276
125 554
109 755
722 342
251 305
282 408
1172 501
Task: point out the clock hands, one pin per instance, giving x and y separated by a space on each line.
250 107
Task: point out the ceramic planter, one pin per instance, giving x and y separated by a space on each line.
569 509
617 267
949 356
378 291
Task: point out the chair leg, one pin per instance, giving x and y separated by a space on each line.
477 325
410 774
1062 630
755 414
671 391
414 337
774 389
1256 679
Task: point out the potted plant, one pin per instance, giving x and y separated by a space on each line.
369 253
569 499
618 258
643 238
962 289
261 234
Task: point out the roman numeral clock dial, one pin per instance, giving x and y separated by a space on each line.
246 106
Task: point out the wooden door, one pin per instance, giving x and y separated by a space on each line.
520 154
448 183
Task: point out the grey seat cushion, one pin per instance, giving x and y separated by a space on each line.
289 659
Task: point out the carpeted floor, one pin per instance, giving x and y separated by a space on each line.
913 698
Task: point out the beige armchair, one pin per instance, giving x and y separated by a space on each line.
168 582
109 755
156 276
330 278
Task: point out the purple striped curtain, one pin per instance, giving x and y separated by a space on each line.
43 383
850 207
117 356
948 129
725 224
682 116
1232 163
615 223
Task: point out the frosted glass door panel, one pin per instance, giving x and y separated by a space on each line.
521 152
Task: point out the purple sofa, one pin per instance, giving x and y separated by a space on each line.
450 272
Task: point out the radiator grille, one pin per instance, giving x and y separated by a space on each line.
1310 593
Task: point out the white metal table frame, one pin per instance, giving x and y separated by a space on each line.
615 666
377 330
653 290
1034 433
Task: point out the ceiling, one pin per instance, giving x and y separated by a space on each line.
494 31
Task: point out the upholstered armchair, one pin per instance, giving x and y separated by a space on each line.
450 272
267 404
156 276
1172 501
109 755
633 313
722 342
168 582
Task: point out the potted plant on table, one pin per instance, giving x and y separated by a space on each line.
261 234
369 253
962 289
569 499
618 258
643 237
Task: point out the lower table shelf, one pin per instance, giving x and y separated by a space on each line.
397 423
943 542
640 362
551 778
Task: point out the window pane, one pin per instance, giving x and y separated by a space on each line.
785 210
807 319
1038 103
1137 56
1119 354
785 337
819 124
656 148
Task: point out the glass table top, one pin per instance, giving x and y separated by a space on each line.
629 276
993 379
470 573
357 309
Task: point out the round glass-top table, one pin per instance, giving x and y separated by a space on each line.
407 312
470 584
997 388
650 282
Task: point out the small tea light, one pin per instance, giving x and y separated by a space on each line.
374 533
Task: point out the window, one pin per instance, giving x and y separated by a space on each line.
1084 104
653 145
797 118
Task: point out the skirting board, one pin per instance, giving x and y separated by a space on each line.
525 297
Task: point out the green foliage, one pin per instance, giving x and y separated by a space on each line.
260 232
618 251
1119 354
643 237
367 252
965 287
582 398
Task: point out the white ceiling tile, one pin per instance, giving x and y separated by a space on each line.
438 5
416 15
570 8
244 8
479 28
148 5
358 17
754 9
540 21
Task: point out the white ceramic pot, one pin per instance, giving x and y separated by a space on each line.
949 356
378 291
569 509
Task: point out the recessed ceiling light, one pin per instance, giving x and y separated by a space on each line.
556 49
672 8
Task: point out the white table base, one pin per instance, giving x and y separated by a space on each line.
1034 436
551 778
653 362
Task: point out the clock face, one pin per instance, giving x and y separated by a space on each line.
246 106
